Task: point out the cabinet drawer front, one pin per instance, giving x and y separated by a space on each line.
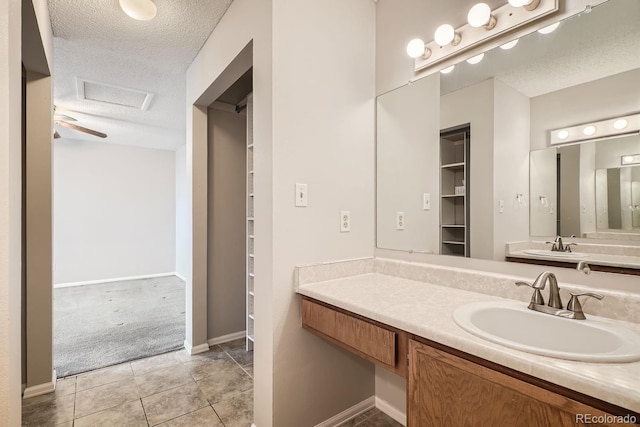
355 334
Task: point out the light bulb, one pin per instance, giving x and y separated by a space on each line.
519 3
589 130
445 34
563 134
142 10
509 45
447 70
549 29
620 124
475 59
480 16
416 48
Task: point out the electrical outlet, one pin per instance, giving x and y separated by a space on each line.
345 221
426 201
399 220
302 196
501 206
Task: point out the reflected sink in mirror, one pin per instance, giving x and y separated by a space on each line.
512 324
555 254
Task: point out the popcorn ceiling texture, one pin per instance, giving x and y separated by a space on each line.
96 41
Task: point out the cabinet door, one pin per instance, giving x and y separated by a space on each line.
446 390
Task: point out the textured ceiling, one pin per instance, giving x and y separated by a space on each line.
96 41
585 47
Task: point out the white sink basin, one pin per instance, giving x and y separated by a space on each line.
555 254
513 325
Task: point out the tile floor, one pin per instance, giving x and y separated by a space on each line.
213 389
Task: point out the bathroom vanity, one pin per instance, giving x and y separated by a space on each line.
403 323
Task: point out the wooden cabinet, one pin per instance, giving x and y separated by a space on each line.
447 390
380 344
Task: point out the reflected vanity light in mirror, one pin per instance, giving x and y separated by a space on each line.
620 124
509 45
549 29
480 16
448 69
617 126
589 130
445 34
631 159
475 59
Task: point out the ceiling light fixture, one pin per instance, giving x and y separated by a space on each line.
417 49
483 25
509 45
480 16
609 128
475 59
526 4
142 10
549 29
445 34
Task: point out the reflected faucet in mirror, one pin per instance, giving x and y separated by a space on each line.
559 246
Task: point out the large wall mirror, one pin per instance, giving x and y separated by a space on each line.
508 176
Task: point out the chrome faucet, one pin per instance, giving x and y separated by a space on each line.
559 246
584 267
554 306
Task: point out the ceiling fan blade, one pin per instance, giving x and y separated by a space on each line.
82 129
58 117
56 135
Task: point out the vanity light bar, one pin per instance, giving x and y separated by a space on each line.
630 159
624 125
503 19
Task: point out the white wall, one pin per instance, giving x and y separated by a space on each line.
114 211
226 292
182 229
596 100
10 212
510 166
408 165
543 173
474 105
323 133
587 188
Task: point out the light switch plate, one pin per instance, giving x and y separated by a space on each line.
399 220
302 196
426 201
345 221
501 206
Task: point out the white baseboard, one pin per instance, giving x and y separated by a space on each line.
226 338
201 348
349 413
180 276
392 411
115 279
40 389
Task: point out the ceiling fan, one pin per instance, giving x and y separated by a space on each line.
64 121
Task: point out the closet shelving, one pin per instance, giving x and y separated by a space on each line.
250 228
454 191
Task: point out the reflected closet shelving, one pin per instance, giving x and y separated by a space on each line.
454 190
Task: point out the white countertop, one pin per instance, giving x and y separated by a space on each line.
622 261
426 310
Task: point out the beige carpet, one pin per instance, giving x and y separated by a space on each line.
110 323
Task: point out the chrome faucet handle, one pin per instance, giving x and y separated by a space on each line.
536 298
584 267
554 248
567 246
575 306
